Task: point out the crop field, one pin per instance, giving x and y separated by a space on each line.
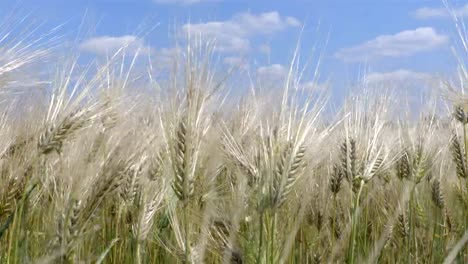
112 163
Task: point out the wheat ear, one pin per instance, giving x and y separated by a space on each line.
458 157
183 186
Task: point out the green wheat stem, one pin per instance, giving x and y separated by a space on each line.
354 223
411 225
272 238
333 222
465 141
465 145
260 239
186 231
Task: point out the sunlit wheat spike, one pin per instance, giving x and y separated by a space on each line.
130 183
12 196
54 136
150 209
47 143
458 157
388 229
146 222
73 229
319 217
345 159
279 174
353 158
419 165
297 162
15 188
68 230
74 214
336 180
290 163
280 166
437 197
403 226
183 186
376 166
403 166
460 115
349 158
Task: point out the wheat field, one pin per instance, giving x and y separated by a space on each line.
98 166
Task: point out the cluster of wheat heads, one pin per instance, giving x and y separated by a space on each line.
91 171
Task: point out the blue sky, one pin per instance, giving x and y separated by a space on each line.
386 39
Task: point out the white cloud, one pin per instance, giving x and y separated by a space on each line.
398 76
314 86
265 48
442 12
272 72
404 43
233 35
236 61
265 23
107 45
165 56
170 52
276 74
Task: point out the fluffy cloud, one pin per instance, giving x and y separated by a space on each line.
401 44
398 76
236 62
272 72
164 57
233 35
107 45
276 74
314 86
429 12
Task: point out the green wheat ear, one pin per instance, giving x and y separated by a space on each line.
182 185
403 226
349 159
437 197
286 173
336 180
403 166
458 157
